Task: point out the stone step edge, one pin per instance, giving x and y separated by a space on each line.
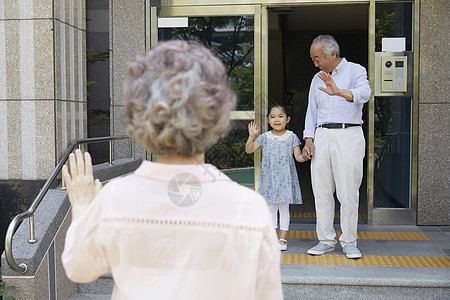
349 281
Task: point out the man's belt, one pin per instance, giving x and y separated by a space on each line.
337 125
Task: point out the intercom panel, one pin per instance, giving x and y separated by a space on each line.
394 73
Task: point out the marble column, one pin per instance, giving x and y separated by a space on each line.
127 33
434 114
42 84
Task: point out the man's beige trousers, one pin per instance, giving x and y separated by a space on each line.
337 165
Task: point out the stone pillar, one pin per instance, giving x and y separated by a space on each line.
434 114
42 84
127 33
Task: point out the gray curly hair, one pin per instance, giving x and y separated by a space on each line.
177 98
329 44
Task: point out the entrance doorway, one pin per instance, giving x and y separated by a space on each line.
272 56
290 70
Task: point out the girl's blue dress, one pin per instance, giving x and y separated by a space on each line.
278 180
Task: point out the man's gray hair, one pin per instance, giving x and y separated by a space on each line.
329 44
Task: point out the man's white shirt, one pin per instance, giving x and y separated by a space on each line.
323 108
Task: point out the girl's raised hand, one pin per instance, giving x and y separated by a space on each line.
253 128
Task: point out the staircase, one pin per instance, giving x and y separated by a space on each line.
399 262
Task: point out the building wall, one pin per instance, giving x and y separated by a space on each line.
434 114
42 84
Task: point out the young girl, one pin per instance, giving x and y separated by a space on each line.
278 181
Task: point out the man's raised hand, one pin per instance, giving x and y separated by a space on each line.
331 88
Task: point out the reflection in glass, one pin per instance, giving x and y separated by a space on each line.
392 152
393 20
231 38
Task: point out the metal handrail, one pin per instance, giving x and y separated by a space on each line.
22 268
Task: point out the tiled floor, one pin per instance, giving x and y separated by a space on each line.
396 247
393 257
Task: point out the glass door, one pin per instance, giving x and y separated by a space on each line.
233 33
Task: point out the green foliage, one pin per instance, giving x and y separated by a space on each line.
92 56
229 152
384 23
4 288
242 84
383 113
231 38
380 141
98 116
89 84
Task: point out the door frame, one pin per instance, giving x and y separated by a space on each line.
394 216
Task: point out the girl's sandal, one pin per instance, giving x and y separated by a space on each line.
283 244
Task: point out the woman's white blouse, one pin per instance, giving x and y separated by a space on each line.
177 232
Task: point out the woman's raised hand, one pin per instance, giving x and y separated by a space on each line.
81 186
253 128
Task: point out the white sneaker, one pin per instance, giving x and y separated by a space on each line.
283 246
351 251
321 248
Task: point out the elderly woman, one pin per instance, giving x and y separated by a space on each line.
177 228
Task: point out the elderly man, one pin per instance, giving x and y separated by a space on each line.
335 143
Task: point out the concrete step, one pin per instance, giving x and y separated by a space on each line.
401 262
349 282
103 285
319 282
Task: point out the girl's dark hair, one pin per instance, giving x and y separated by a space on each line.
285 109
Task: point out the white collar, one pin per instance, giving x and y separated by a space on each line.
340 66
284 137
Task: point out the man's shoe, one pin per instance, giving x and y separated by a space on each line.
321 248
283 244
351 251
